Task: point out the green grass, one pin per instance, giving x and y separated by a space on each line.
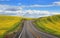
50 24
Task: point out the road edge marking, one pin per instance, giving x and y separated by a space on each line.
20 34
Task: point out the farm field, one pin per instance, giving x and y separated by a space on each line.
50 25
8 24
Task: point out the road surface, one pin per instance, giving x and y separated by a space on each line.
29 31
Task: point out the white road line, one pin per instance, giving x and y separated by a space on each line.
20 34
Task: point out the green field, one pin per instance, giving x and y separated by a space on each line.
50 24
8 24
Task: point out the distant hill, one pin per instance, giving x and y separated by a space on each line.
50 24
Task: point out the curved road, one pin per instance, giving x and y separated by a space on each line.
29 31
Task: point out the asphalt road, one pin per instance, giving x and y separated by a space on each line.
29 31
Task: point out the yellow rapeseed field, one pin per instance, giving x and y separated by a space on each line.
7 22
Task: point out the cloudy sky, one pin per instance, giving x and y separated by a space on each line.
30 8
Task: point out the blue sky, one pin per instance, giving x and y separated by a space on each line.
32 2
27 2
31 5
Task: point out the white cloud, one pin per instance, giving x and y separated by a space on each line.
56 3
38 13
36 5
54 13
12 10
49 5
1 10
18 10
